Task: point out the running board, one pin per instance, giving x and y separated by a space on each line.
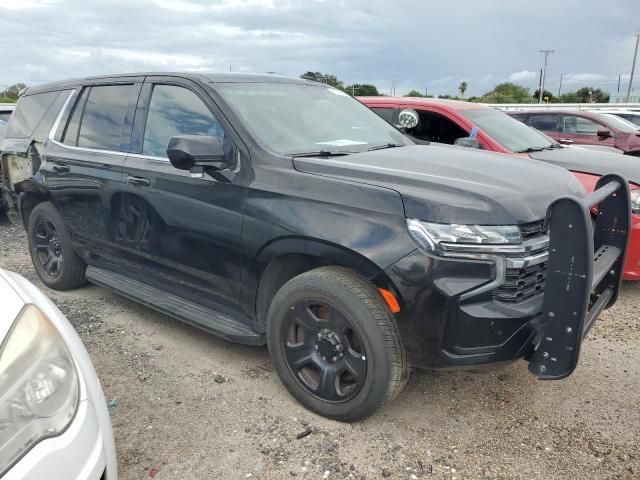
212 321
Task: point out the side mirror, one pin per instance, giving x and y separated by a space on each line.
604 133
468 142
188 151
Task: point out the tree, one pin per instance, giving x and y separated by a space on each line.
449 97
507 93
324 78
592 95
12 92
546 95
463 88
362 89
414 93
569 97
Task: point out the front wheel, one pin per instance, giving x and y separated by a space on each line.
335 344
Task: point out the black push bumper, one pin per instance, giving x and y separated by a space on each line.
586 261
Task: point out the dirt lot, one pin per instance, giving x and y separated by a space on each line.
186 405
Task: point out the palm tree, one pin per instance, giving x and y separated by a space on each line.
463 88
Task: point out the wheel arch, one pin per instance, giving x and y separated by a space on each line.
286 258
31 194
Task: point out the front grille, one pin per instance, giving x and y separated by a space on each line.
521 283
525 278
532 229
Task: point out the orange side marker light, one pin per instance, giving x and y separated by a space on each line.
391 300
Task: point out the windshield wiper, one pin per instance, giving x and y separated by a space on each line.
551 146
320 153
382 147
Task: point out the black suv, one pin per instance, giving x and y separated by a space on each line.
282 211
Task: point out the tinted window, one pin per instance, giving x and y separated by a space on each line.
104 116
579 125
176 111
386 113
4 116
549 122
70 134
29 113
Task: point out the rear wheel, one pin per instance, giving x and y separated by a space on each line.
335 344
55 262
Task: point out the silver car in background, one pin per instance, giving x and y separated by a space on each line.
54 421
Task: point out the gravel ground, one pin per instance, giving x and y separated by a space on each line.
186 405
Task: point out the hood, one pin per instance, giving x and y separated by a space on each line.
592 161
446 184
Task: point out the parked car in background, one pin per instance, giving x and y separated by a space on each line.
276 210
451 121
629 115
6 109
54 421
584 127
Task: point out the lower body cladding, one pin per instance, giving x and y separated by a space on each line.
483 304
79 452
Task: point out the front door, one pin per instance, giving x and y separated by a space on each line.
583 131
182 233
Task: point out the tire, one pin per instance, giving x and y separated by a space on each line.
49 239
356 338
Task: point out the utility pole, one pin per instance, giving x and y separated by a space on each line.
633 68
544 73
619 83
426 91
560 87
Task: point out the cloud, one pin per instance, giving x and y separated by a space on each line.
523 76
362 41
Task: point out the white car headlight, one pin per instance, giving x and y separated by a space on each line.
635 201
430 235
39 387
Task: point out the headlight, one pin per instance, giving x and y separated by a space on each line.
635 201
39 386
430 235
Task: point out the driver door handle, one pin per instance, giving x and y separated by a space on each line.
145 182
60 168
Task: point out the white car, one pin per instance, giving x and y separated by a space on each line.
54 421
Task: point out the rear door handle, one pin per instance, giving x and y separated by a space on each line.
566 140
59 168
139 181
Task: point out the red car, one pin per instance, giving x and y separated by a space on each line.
584 128
478 125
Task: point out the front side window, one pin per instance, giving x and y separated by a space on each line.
579 126
175 111
546 122
104 117
291 119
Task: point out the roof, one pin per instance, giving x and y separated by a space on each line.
228 77
422 101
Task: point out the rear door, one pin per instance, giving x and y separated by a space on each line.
581 130
182 232
84 159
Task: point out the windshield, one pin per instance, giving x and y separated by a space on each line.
620 123
294 119
507 131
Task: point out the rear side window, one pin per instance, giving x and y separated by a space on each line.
4 116
29 113
104 117
177 111
546 122
70 134
579 126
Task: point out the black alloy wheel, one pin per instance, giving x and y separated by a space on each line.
323 351
48 248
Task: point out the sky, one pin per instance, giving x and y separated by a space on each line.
420 45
